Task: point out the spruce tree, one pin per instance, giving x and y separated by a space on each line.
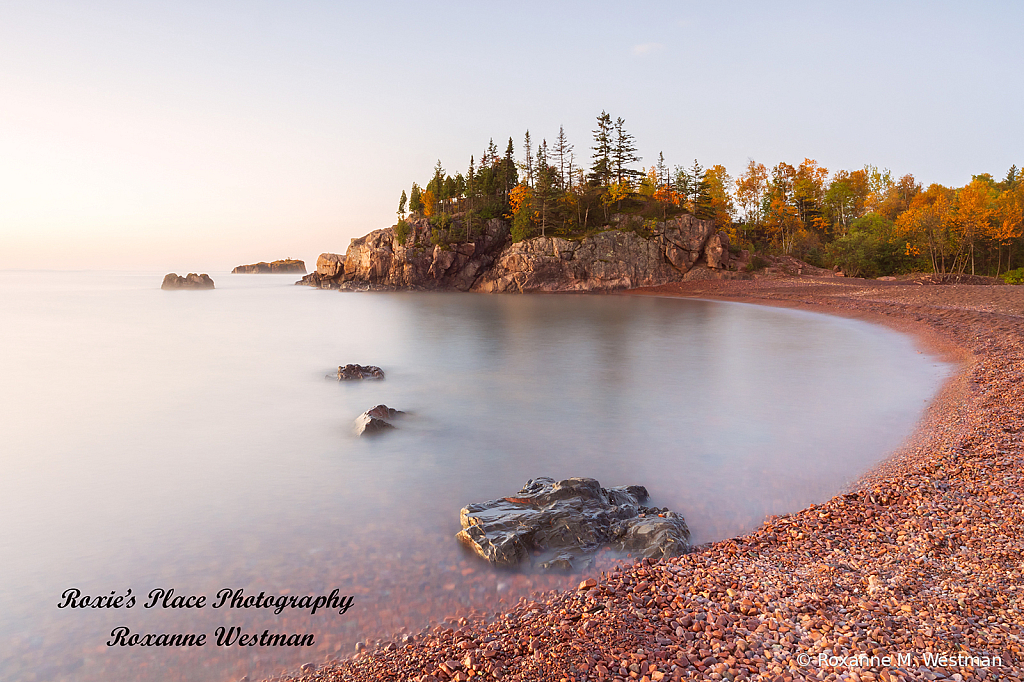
601 170
623 153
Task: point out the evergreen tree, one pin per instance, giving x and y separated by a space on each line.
509 173
415 201
563 152
528 166
401 204
623 153
601 170
662 170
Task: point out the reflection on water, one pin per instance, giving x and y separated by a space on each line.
189 440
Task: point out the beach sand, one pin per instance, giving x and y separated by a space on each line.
921 560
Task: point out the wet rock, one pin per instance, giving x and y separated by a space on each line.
374 420
559 523
190 281
359 372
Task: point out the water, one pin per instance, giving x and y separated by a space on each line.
189 440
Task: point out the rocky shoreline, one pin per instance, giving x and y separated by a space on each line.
916 571
632 254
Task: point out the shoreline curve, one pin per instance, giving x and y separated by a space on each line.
912 574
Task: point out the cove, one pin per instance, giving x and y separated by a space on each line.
199 444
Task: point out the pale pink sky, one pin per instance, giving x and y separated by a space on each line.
198 136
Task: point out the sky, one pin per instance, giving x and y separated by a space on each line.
196 136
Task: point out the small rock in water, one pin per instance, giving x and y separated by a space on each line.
359 372
373 421
565 521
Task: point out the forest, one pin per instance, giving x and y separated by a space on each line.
864 221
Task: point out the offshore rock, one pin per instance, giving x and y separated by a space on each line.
483 258
190 281
374 420
359 372
562 522
287 266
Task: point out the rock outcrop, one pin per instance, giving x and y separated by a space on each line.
375 420
557 524
636 254
283 267
190 281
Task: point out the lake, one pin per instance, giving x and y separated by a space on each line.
190 440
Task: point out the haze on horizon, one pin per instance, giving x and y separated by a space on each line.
198 136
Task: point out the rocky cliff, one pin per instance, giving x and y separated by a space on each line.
633 255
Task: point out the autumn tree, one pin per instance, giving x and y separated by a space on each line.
809 194
719 192
751 187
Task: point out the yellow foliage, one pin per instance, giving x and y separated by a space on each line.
519 196
428 199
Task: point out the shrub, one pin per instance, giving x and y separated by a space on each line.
1014 276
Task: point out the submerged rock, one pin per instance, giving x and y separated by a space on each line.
359 372
190 281
374 420
564 521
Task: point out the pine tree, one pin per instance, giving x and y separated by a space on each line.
401 204
528 166
415 200
601 170
662 170
623 153
510 176
563 151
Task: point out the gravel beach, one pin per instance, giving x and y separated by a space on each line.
915 573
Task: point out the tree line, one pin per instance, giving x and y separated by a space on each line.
864 221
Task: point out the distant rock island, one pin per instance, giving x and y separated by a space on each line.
634 253
190 281
287 266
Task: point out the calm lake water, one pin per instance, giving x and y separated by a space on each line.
190 440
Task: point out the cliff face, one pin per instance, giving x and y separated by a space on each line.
615 259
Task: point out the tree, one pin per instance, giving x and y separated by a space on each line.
926 222
699 191
624 153
809 194
719 186
520 202
528 165
601 170
415 199
751 187
563 152
662 170
401 204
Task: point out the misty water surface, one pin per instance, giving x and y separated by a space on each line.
189 439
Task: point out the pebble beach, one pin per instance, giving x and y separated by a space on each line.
915 573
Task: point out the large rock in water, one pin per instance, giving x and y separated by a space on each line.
190 281
283 267
564 521
635 254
